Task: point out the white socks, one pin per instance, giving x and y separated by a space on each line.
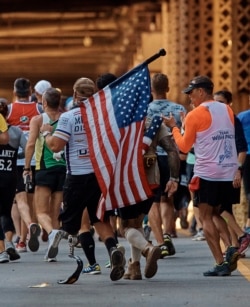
137 240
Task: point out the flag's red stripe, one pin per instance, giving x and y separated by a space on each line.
122 194
145 191
132 194
124 159
133 165
119 193
112 138
91 148
104 114
105 147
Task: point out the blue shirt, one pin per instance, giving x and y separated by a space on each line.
166 108
244 118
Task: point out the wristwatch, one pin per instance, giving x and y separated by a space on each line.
45 133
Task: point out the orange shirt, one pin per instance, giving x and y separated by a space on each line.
196 120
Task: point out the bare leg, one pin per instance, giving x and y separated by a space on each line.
16 219
222 229
42 200
55 205
24 207
234 229
167 214
211 232
155 221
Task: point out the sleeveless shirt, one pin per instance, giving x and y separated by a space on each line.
215 148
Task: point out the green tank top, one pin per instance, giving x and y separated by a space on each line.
43 154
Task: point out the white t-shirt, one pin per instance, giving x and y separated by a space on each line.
70 128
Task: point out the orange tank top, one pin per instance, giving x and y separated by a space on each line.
20 114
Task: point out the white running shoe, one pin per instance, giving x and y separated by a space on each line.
50 259
4 257
54 239
199 236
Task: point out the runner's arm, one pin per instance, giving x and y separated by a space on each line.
55 143
33 135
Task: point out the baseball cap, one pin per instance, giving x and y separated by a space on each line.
199 82
41 86
85 87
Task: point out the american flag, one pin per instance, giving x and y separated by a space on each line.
114 120
151 131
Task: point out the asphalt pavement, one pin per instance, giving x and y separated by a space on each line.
179 281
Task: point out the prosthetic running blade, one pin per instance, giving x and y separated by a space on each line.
74 277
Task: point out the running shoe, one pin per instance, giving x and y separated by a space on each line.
54 239
244 242
199 236
122 249
117 264
21 247
169 244
34 233
231 257
164 251
4 257
219 270
10 249
50 259
92 269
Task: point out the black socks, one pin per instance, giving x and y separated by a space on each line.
88 246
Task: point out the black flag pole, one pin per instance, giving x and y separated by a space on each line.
161 52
